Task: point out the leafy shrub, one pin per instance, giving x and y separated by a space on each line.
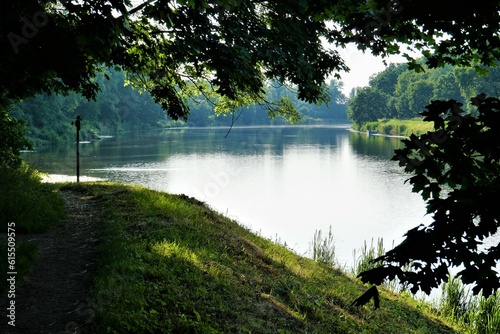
24 200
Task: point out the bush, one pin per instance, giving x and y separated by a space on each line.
24 200
12 140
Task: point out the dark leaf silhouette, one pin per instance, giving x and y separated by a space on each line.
458 174
371 293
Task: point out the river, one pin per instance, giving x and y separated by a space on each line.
282 182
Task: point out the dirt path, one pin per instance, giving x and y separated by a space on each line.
54 298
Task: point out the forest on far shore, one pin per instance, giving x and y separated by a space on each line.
119 107
400 93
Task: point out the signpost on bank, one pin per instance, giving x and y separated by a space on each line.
77 124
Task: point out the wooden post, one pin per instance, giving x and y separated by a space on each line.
77 124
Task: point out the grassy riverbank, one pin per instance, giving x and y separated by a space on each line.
396 127
170 264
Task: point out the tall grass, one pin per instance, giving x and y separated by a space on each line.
323 248
364 261
456 299
25 256
485 315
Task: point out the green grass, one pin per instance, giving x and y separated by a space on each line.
169 264
33 206
397 127
29 207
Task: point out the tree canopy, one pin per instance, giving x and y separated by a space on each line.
59 46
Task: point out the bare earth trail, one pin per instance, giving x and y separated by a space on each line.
55 296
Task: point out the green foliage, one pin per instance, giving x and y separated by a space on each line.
236 46
26 206
455 299
24 200
485 316
121 108
116 108
286 110
12 140
456 169
368 105
386 81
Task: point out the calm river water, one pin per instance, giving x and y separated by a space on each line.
283 182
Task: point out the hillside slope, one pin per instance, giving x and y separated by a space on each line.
170 264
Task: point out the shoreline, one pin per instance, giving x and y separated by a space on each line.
60 178
370 133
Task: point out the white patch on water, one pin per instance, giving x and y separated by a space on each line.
135 169
58 178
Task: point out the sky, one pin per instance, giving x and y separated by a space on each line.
362 66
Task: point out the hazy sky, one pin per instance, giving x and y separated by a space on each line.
362 66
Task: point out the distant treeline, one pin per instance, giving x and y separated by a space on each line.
119 107
400 93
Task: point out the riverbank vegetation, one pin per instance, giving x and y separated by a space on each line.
395 127
171 264
400 93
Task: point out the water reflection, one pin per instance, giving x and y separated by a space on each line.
285 182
